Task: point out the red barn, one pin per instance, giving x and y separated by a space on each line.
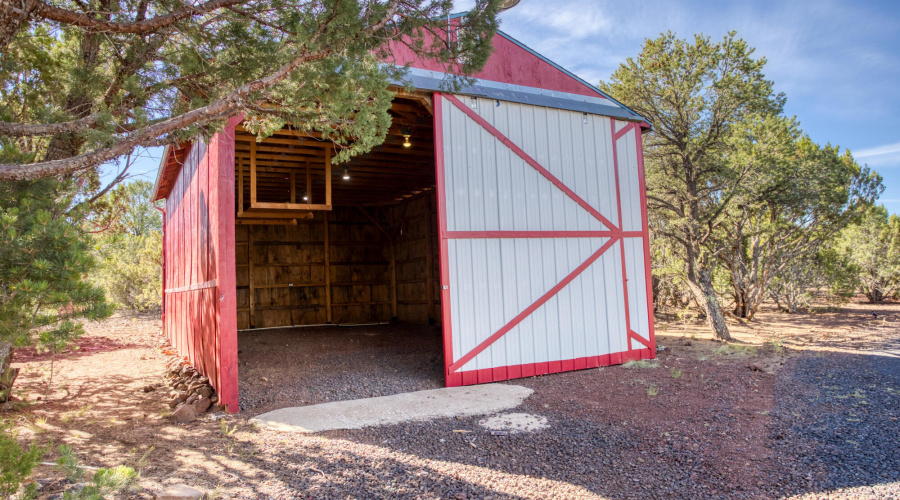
512 213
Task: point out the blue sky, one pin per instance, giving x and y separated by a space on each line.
837 61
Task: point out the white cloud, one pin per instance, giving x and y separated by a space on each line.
886 155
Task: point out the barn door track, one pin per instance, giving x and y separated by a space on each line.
387 410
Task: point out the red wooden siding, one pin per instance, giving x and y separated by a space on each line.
510 63
201 320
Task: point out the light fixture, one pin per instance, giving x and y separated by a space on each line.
346 174
305 197
406 133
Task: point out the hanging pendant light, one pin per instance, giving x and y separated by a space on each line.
406 133
346 176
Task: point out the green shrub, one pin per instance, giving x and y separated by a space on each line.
16 464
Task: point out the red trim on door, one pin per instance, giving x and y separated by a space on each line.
531 161
440 185
467 235
615 154
634 335
533 307
615 234
534 369
639 144
618 135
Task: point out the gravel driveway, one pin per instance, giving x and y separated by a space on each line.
837 419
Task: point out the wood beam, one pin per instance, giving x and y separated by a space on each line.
250 276
265 222
252 173
327 265
288 206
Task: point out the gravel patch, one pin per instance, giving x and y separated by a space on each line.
836 417
304 366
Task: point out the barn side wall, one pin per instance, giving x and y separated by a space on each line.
284 267
199 297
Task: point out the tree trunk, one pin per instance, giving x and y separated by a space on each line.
701 285
14 15
8 374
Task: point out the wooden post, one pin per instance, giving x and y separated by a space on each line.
252 173
393 281
240 187
327 261
250 275
429 261
328 176
309 198
293 188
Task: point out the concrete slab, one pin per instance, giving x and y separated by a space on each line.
386 410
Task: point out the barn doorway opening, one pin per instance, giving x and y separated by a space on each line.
337 266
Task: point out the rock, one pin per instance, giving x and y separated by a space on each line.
181 387
180 492
178 398
149 388
214 398
191 399
184 414
206 391
201 404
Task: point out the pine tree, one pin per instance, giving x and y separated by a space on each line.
45 257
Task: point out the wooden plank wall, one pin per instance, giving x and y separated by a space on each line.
418 260
284 269
199 295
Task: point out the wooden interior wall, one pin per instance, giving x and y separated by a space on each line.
375 268
418 260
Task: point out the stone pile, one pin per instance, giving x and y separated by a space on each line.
191 394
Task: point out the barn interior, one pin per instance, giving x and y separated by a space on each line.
326 245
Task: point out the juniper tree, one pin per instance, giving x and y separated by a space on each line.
45 256
86 81
693 92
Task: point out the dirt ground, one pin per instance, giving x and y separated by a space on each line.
799 405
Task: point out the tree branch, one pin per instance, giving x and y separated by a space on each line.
137 27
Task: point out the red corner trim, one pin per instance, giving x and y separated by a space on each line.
531 161
440 183
533 307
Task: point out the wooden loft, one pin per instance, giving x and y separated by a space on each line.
289 175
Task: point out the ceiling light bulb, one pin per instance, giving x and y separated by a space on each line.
406 142
305 198
346 174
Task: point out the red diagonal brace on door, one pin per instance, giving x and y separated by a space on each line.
533 307
615 154
531 161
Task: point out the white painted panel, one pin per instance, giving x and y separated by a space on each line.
584 319
630 184
637 287
489 188
493 280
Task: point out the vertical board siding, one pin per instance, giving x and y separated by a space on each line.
519 305
199 246
492 185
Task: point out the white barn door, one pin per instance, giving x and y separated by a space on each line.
544 243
